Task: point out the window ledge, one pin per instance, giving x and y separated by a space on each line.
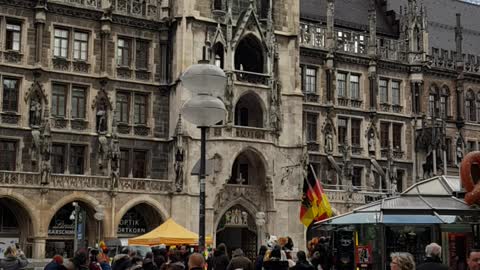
61 63
123 128
124 72
12 56
79 124
141 130
60 122
10 118
81 66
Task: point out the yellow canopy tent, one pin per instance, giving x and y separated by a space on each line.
169 233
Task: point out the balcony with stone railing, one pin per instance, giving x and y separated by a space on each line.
358 197
83 183
241 132
149 9
314 35
252 77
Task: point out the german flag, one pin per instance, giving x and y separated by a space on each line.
315 205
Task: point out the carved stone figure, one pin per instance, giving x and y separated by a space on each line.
35 112
329 142
103 150
371 143
46 151
36 145
179 158
115 160
101 118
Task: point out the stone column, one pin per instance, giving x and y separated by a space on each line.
40 18
39 248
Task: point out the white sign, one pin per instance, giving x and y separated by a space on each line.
6 242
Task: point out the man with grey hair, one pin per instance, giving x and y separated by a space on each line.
433 261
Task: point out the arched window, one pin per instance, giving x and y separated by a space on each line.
470 107
445 102
478 106
248 169
434 102
248 111
238 6
219 55
249 55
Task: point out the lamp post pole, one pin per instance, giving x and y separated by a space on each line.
203 110
201 234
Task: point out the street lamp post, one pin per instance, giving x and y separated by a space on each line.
203 110
74 218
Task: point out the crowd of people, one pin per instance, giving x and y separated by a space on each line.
276 255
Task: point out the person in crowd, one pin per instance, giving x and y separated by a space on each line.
174 266
14 259
220 259
473 260
68 264
302 263
137 263
402 261
94 263
55 264
196 262
160 255
275 261
80 259
261 255
122 261
184 255
149 263
239 261
433 259
104 260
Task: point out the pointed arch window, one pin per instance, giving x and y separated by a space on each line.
249 112
249 55
218 4
445 103
434 106
478 106
470 105
219 55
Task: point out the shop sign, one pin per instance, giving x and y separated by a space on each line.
132 223
364 255
61 228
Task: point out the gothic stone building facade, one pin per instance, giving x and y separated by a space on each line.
91 114
390 94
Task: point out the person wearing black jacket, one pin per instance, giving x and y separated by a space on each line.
432 259
220 259
302 263
261 255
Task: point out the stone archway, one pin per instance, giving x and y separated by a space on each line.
249 111
237 229
61 229
249 55
248 169
139 219
16 225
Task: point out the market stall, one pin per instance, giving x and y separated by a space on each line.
169 233
427 212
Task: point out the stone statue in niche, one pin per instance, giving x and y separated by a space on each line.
46 166
36 145
115 160
35 115
459 151
103 150
101 120
371 143
329 141
178 166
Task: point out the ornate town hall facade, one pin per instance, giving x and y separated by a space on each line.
366 95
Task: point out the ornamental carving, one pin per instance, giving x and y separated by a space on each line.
82 67
12 57
60 123
123 128
11 119
229 193
61 64
78 124
124 73
142 75
141 130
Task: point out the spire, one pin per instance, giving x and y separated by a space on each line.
459 38
179 127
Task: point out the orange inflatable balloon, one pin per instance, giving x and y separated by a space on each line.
472 188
